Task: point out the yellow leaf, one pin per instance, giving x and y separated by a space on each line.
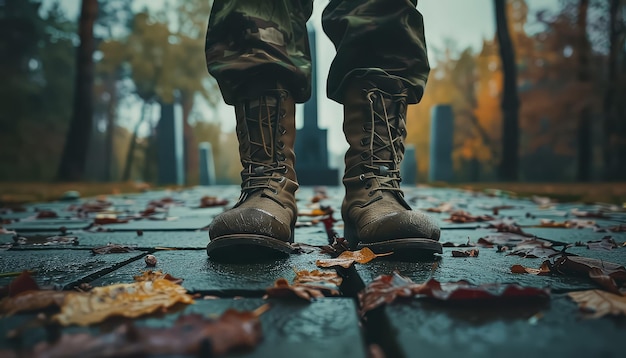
127 300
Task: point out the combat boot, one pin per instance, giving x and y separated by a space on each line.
374 210
262 221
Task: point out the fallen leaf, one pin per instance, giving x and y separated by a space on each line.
465 253
309 292
509 227
32 301
156 275
442 208
106 219
599 303
604 280
386 288
534 252
617 228
47 214
45 240
461 216
111 249
312 212
544 269
568 224
317 276
22 283
606 243
590 214
347 258
452 244
581 266
212 201
233 331
127 300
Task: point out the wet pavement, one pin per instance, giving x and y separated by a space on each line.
176 234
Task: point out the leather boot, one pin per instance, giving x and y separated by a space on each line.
374 211
262 221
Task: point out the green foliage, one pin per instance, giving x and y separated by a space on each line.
35 99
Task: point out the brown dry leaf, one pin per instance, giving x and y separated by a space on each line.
604 280
465 253
106 219
305 276
599 303
347 258
534 252
509 227
282 289
128 300
568 224
544 269
156 275
21 283
578 265
590 214
617 228
32 301
313 212
442 208
47 214
232 331
461 216
111 249
212 201
385 289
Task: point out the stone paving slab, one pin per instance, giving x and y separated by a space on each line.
59 268
427 329
48 225
148 239
489 267
203 275
327 327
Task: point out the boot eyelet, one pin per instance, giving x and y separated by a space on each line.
282 130
283 113
281 145
285 170
281 157
368 185
364 141
362 177
282 179
364 155
370 193
275 191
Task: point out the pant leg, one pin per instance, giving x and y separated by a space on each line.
252 44
376 37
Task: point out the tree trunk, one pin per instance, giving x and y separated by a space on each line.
614 156
508 168
110 134
130 155
72 166
584 78
190 156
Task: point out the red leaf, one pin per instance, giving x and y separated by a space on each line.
47 214
211 201
232 331
22 283
461 216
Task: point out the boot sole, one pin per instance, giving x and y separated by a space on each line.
247 247
405 247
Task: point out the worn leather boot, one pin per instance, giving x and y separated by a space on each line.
374 211
262 221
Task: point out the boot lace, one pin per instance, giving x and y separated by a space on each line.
385 141
265 148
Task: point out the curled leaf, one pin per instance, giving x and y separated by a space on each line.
111 249
347 258
465 253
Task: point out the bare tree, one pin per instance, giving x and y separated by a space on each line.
583 48
72 165
508 168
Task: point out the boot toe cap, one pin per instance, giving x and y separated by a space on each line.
251 221
399 225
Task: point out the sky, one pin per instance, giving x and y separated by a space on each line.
464 22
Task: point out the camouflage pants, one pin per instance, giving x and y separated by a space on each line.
252 44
